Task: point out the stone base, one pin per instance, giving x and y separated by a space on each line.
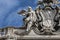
32 35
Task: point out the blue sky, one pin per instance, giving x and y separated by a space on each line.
9 10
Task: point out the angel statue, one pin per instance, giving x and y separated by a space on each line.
30 18
42 20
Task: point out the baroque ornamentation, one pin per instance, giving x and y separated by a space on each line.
43 20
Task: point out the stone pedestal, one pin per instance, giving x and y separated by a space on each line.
34 36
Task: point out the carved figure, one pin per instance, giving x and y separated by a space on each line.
30 18
43 20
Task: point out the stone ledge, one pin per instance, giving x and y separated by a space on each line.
32 35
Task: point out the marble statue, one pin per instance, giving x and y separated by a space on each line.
43 20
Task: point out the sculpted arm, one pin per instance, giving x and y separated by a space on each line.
23 12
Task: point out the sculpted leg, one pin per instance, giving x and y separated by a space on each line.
29 26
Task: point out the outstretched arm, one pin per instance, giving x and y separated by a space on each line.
23 12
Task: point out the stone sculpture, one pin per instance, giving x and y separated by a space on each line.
42 20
